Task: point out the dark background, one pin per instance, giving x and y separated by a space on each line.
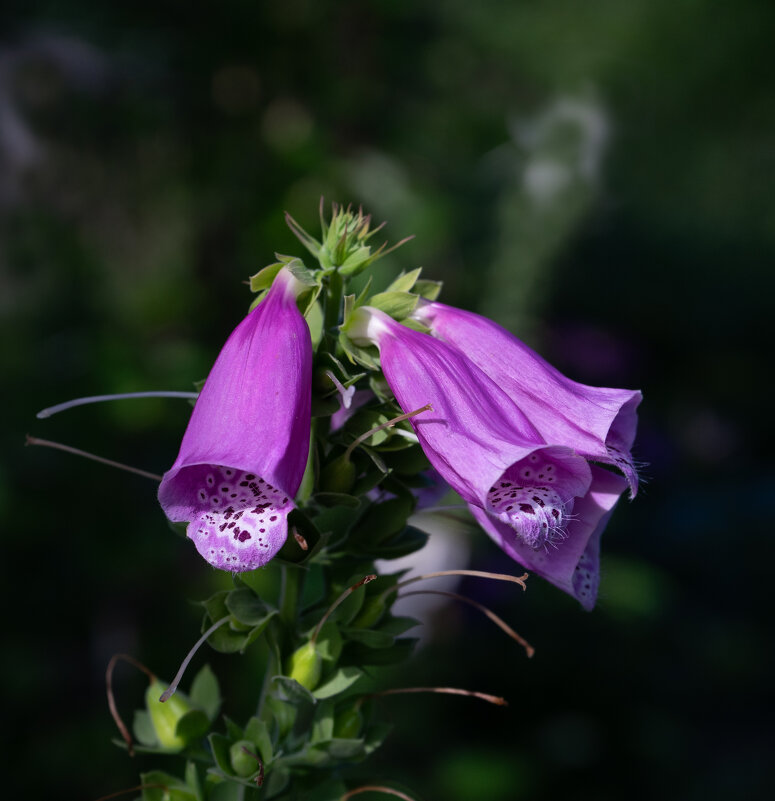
596 176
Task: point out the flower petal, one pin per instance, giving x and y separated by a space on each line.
597 422
573 565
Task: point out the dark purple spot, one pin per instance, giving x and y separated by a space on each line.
272 518
556 514
244 535
527 509
250 476
505 483
538 500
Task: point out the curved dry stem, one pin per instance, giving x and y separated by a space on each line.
400 418
490 699
170 691
46 443
476 573
499 622
376 788
61 407
348 591
112 700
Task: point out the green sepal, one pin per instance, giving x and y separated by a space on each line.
366 357
405 281
257 732
323 724
263 278
399 305
430 290
142 726
305 666
205 692
220 746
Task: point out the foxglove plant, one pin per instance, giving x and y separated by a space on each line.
306 454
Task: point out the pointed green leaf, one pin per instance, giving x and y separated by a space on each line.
405 281
205 692
192 725
258 733
430 290
341 680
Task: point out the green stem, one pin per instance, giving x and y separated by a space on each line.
290 593
334 293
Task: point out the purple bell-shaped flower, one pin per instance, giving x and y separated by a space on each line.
246 446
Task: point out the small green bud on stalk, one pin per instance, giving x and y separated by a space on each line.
338 476
165 715
242 755
305 666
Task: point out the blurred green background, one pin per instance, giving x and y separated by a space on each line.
597 176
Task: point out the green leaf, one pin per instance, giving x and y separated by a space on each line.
383 520
227 791
263 278
341 680
408 541
323 724
336 499
233 731
192 725
143 728
398 305
398 625
371 638
192 779
405 281
341 749
400 651
430 290
205 692
276 782
220 747
367 357
176 789
247 607
258 733
293 691
329 643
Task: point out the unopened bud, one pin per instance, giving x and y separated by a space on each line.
305 666
243 757
165 715
338 476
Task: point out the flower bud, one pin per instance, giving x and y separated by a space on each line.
243 764
347 724
338 476
305 666
165 715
